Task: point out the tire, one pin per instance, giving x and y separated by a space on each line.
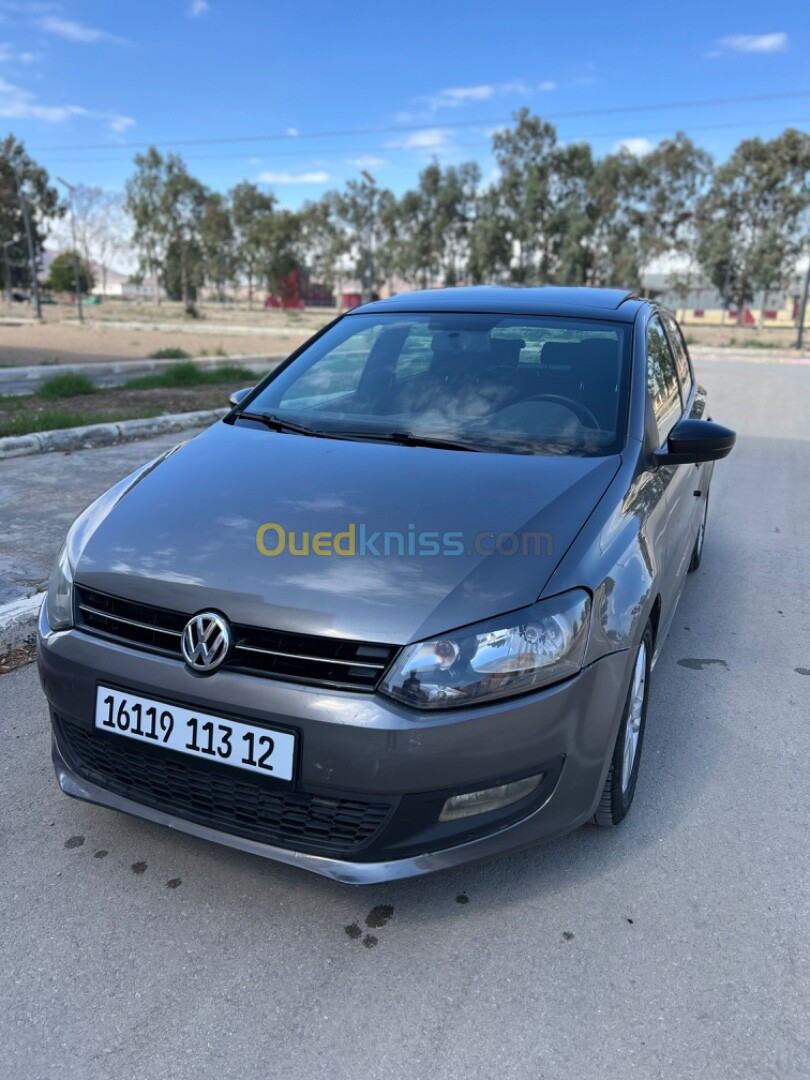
697 550
620 785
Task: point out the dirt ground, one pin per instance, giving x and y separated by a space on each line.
743 337
119 403
130 333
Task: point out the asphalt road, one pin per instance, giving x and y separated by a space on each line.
41 494
674 946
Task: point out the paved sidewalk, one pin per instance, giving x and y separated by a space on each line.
40 496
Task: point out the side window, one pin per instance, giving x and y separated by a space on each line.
332 375
662 380
681 355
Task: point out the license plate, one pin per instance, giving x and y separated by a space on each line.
199 734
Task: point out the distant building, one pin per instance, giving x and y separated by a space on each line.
703 305
117 285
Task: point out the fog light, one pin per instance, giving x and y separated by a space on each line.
493 798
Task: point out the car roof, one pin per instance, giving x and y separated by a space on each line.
579 302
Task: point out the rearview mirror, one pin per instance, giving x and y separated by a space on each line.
693 441
238 396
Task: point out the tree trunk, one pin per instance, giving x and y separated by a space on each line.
183 276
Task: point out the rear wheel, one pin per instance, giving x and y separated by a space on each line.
697 550
620 785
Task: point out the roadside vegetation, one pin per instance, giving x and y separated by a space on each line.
180 388
64 385
171 353
190 375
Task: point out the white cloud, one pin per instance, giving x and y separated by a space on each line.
319 177
119 123
460 95
367 161
19 104
8 55
751 43
293 132
453 97
435 139
197 8
638 147
74 31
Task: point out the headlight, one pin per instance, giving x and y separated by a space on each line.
59 601
510 654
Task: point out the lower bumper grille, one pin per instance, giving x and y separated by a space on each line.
213 796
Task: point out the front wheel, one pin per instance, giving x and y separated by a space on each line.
620 785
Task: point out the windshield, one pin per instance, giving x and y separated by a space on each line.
511 384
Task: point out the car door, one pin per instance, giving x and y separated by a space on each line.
664 389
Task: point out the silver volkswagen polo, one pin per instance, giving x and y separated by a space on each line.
399 609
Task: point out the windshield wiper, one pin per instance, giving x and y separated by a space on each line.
277 424
401 438
408 438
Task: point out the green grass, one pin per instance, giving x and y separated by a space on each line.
172 353
758 343
53 419
67 384
180 375
218 351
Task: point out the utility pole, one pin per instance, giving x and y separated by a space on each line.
76 282
6 245
30 238
803 309
368 289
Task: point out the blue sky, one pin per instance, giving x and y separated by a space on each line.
82 81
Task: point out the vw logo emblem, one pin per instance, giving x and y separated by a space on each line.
206 641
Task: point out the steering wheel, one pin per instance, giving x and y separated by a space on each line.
582 412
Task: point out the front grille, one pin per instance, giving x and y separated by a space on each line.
221 797
306 658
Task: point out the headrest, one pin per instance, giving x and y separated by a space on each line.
506 351
558 353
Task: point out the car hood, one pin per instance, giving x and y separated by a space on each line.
184 535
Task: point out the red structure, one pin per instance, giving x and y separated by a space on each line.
298 292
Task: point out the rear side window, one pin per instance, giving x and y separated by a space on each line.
662 380
681 355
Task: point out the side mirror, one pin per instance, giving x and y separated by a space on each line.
238 396
693 441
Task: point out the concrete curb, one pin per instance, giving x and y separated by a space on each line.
25 380
18 623
80 438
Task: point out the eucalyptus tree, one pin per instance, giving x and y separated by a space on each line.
322 241
280 246
218 242
525 158
184 207
145 203
20 174
617 190
754 217
571 223
679 174
358 213
250 210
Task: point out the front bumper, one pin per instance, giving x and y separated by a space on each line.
361 747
